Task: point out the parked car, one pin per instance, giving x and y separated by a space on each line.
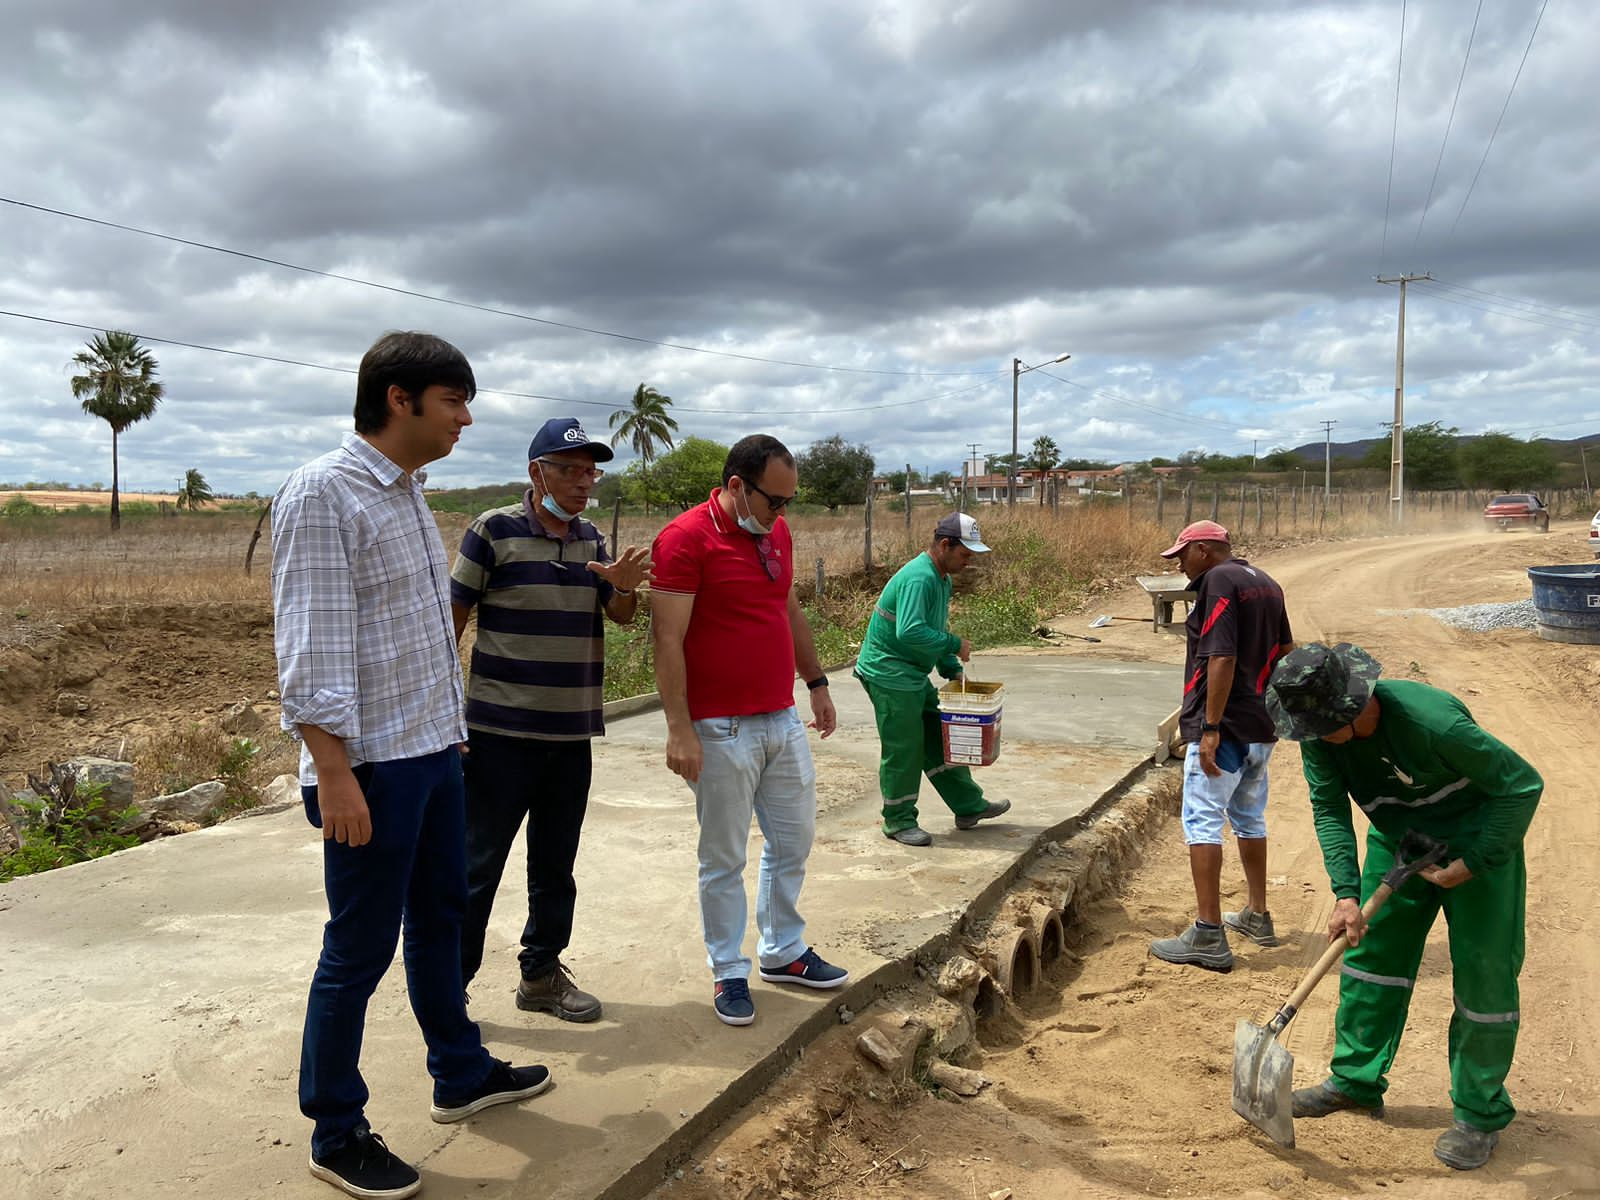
1517 508
1594 535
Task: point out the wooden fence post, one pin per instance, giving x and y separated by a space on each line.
1216 499
1240 525
1277 515
1127 500
908 505
866 558
1258 510
819 579
1161 502
1188 503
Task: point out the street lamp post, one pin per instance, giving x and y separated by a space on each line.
1018 370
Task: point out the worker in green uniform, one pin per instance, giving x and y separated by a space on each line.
907 637
1412 757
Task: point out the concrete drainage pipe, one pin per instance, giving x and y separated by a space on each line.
1017 962
1050 936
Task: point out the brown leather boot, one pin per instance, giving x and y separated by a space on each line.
555 992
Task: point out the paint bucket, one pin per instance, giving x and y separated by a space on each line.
969 714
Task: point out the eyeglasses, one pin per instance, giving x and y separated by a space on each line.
572 468
769 560
776 503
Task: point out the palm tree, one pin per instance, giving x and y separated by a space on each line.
646 427
195 490
119 386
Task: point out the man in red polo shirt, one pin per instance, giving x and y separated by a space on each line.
728 634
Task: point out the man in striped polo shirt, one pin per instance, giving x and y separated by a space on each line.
540 577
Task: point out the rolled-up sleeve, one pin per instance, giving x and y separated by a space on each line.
313 598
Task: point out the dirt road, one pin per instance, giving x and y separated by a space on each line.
1114 1079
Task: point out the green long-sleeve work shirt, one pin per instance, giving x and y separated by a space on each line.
1428 767
907 635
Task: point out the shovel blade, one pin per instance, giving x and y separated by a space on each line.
1099 622
1263 1075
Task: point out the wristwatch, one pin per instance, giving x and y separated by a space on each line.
821 681
1208 727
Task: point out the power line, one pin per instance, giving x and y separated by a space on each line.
467 304
1530 305
1531 319
316 366
1510 91
1394 133
1445 141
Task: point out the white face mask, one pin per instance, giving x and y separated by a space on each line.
748 522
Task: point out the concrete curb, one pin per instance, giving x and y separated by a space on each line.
650 1171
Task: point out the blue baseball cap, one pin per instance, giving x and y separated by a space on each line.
565 433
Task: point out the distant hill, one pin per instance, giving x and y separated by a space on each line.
1357 450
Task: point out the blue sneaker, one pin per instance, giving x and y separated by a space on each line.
732 998
808 971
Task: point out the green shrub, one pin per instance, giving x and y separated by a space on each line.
60 836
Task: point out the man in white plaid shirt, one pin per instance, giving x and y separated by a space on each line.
371 684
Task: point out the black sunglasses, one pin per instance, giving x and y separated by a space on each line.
776 503
769 561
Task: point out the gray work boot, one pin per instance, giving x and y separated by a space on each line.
994 809
1257 926
914 836
1464 1147
1324 1098
555 992
1206 948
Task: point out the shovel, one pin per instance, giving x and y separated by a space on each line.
1263 1071
1102 621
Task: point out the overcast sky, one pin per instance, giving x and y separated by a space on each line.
1192 199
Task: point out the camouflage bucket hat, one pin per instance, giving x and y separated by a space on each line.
1319 689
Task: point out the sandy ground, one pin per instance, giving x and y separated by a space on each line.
1114 1078
71 499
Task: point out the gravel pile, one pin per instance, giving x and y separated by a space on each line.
1481 618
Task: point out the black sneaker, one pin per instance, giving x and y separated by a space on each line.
505 1085
363 1166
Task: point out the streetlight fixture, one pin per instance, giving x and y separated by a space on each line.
1018 370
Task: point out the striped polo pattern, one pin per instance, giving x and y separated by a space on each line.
538 666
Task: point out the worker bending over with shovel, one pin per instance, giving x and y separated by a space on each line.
1412 757
907 637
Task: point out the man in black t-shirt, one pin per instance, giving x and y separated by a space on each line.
1237 629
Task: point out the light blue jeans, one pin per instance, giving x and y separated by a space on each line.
757 765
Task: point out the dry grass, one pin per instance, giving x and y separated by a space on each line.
70 562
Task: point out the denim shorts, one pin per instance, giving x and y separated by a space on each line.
1239 795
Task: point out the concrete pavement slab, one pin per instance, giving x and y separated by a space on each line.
151 1001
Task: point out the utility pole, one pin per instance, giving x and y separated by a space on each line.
1397 441
1583 454
1017 370
1327 458
1255 444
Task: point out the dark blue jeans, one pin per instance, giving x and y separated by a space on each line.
412 873
509 778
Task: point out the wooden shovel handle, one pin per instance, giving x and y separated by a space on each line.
1325 963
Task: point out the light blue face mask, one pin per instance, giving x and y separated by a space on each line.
549 504
552 507
749 524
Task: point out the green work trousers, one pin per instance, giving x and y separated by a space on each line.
912 746
1485 916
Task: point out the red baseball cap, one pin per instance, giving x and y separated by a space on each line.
1200 531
